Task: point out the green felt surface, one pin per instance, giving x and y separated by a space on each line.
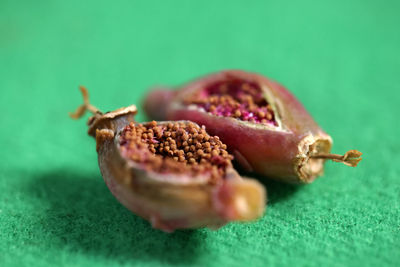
341 58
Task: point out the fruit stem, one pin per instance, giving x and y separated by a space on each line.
350 158
86 106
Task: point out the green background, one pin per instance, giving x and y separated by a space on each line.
340 58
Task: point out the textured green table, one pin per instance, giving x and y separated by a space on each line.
341 58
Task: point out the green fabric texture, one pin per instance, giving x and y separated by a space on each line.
340 58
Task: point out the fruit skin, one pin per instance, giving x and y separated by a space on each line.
171 201
282 153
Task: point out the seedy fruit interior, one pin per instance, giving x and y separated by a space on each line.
234 98
175 147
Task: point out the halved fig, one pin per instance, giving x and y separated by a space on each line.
264 126
171 173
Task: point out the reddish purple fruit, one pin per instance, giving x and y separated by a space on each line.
265 127
173 174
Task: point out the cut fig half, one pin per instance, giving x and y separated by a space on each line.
171 173
264 126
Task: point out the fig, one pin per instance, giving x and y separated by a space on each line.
171 173
265 127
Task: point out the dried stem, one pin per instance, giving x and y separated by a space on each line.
350 158
86 106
